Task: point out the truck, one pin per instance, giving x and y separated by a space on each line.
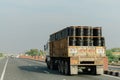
77 49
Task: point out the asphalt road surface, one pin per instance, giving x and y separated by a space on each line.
23 69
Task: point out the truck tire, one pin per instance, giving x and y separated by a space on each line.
90 70
67 68
59 68
62 67
93 70
51 65
48 65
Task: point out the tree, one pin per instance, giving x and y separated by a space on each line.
110 55
1 54
42 52
33 52
115 49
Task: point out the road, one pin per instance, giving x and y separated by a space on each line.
23 69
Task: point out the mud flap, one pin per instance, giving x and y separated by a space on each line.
73 70
99 70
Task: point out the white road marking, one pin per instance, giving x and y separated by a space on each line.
112 76
3 73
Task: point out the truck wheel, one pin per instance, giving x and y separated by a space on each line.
51 65
48 65
59 68
62 67
67 68
93 70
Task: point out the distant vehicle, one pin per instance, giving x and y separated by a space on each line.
17 56
14 56
75 49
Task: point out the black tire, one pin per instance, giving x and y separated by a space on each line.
48 65
90 70
93 70
67 68
62 67
59 68
87 70
51 65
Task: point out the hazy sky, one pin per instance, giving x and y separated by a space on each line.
26 24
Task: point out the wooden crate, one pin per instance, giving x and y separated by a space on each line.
59 48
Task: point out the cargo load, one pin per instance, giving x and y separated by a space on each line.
77 48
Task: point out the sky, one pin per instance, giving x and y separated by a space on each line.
27 24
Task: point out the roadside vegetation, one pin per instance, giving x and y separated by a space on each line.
1 54
112 57
35 52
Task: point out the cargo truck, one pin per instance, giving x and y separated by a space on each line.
77 49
